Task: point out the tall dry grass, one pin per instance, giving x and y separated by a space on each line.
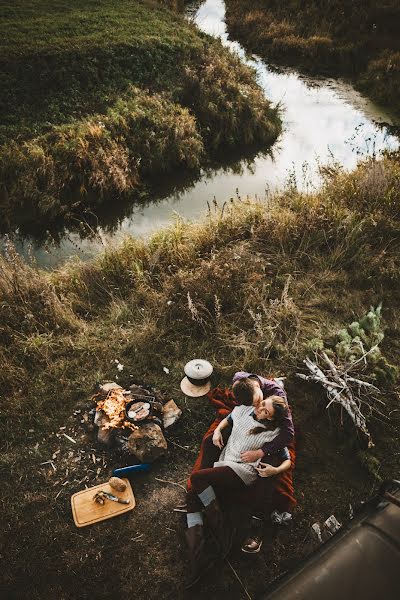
247 288
141 135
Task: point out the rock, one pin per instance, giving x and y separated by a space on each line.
137 390
107 387
147 443
104 434
171 413
99 417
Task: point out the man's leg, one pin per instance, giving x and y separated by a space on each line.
200 557
204 483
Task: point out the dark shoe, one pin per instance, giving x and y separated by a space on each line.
200 558
221 529
252 545
254 541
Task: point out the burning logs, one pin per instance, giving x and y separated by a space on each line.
137 414
113 407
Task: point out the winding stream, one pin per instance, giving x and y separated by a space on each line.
323 119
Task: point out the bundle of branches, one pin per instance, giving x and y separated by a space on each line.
348 366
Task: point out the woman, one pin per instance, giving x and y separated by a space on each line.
252 427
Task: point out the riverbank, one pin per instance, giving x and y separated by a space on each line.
98 100
357 39
249 288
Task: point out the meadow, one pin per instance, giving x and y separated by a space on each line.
249 288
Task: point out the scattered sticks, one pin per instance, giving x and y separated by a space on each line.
179 446
49 462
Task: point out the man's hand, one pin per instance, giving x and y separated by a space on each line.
251 455
217 439
265 470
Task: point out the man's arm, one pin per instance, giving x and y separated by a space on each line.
284 437
271 388
240 375
266 470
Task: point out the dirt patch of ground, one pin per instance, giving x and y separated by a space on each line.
143 552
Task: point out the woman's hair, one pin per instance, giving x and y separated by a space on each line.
280 412
243 390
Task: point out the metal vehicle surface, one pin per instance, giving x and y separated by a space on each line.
360 562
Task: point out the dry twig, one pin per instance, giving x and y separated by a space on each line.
239 580
171 483
344 386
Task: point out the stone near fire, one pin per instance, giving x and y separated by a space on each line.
104 434
147 443
170 413
107 387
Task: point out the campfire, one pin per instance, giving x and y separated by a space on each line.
135 418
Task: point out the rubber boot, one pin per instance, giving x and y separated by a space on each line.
200 559
254 540
221 529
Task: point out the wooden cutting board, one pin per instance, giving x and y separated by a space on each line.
86 511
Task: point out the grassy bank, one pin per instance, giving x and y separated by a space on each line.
358 39
100 98
250 288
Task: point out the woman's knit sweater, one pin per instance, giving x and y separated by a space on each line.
241 440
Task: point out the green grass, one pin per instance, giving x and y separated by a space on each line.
358 39
100 98
62 60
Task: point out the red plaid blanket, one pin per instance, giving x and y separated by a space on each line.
266 494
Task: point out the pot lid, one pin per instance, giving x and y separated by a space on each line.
198 369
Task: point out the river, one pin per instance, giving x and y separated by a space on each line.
323 120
